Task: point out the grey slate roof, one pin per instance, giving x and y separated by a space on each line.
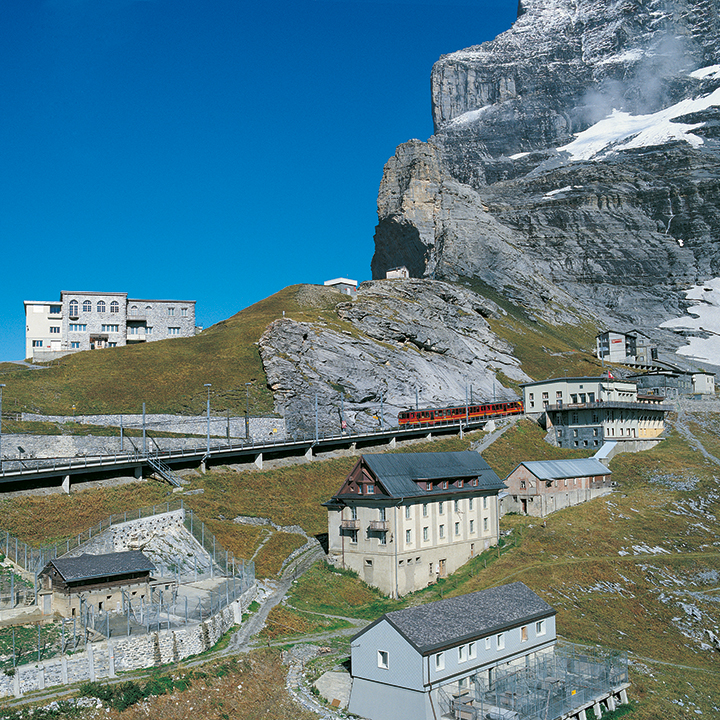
398 472
448 622
86 567
579 467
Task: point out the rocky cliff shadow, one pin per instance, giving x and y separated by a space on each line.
397 244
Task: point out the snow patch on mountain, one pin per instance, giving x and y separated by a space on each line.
622 131
702 317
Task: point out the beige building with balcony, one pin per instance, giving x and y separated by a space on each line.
403 520
584 412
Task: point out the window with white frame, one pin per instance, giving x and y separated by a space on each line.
441 507
426 534
457 506
171 312
74 308
439 661
442 531
184 312
408 536
500 638
457 528
523 633
485 502
173 331
472 650
383 659
114 306
55 309
407 512
540 627
148 330
110 328
472 527
87 306
74 345
462 654
425 509
488 643
101 306
470 504
54 329
77 327
37 343
485 524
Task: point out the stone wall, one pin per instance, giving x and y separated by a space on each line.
50 446
105 659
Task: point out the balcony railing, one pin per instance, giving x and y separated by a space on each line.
611 405
350 524
379 525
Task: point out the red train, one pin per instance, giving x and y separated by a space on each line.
456 414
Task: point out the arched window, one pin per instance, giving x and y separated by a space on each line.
114 306
74 308
101 306
87 306
133 310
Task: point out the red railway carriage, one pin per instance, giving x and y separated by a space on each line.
448 415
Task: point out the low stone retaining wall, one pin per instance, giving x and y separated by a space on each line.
105 659
261 428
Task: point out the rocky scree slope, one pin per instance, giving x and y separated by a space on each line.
396 336
574 165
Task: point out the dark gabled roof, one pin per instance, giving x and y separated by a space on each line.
86 567
576 467
398 473
445 623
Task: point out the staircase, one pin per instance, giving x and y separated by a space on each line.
164 471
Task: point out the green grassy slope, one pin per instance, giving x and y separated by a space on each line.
168 375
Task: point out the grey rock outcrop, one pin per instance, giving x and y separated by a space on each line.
613 235
395 337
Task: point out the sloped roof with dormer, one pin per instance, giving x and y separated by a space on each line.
399 474
88 567
432 627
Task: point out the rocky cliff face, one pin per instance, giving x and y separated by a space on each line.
367 362
575 165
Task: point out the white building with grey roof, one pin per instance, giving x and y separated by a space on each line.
403 520
489 654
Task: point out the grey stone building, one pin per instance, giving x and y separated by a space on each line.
92 320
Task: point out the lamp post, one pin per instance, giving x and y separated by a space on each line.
208 386
247 410
2 385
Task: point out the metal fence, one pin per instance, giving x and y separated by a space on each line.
34 559
548 685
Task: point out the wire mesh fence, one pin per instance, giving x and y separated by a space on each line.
34 559
548 685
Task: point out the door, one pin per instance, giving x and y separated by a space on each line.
443 568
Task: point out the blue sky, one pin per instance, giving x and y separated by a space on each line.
209 150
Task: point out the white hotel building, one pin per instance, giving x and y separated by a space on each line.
93 320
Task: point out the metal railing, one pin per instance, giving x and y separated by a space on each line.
19 468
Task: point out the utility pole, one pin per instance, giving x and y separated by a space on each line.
247 410
208 386
144 436
316 418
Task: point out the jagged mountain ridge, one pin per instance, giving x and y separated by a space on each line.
504 192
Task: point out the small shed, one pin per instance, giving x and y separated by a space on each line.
97 580
541 487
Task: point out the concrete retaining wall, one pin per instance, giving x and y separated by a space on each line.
260 427
105 659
